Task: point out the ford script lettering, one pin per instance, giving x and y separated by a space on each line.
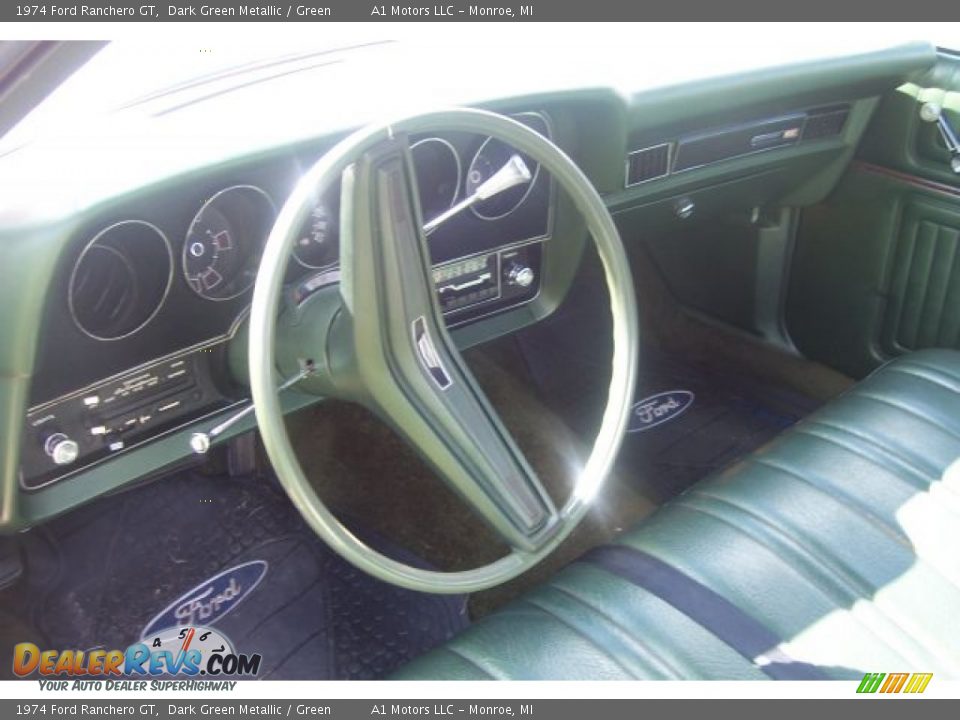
210 600
658 409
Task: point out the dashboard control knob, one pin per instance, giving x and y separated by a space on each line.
520 275
684 208
61 449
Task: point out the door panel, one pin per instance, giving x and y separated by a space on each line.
923 308
876 267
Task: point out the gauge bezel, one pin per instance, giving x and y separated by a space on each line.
209 201
533 180
457 160
332 264
83 254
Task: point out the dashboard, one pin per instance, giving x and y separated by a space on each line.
128 252
137 342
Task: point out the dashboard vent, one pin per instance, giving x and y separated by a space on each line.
120 280
648 164
826 122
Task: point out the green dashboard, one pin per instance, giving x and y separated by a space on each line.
127 257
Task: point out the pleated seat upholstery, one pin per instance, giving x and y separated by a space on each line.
832 552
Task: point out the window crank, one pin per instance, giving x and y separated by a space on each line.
933 113
200 442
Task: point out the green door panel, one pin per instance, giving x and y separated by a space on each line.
923 295
876 267
875 272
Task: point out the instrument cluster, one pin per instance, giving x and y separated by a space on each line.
155 290
175 269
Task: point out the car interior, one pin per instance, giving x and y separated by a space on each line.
567 384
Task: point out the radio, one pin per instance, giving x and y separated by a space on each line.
84 427
487 283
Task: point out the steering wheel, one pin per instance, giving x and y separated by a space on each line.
379 339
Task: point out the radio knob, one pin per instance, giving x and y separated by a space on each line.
61 449
520 275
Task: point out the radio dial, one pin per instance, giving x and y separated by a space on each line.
61 449
520 275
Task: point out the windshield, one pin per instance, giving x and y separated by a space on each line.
143 78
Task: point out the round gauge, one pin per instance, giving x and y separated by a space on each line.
318 243
492 156
120 280
224 242
437 167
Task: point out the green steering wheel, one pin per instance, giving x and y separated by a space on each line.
378 338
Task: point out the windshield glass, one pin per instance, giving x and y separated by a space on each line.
143 78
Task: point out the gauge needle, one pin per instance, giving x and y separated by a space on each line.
514 172
184 647
186 641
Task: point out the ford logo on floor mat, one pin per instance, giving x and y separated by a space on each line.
210 600
658 409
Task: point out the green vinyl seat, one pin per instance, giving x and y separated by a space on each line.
832 552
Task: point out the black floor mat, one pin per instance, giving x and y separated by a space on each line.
101 575
729 414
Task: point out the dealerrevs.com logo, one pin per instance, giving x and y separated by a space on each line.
178 651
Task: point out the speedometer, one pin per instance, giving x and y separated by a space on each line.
224 241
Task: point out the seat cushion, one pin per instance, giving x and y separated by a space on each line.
839 541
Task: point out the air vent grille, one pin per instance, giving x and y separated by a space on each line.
825 123
120 280
648 164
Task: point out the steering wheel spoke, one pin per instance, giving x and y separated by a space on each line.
409 368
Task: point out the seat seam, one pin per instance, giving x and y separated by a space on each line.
875 519
859 508
910 362
927 477
927 375
897 405
857 587
657 657
470 661
577 631
838 581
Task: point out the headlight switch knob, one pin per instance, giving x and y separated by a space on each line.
61 449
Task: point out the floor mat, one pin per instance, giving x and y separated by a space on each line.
693 420
690 418
105 575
